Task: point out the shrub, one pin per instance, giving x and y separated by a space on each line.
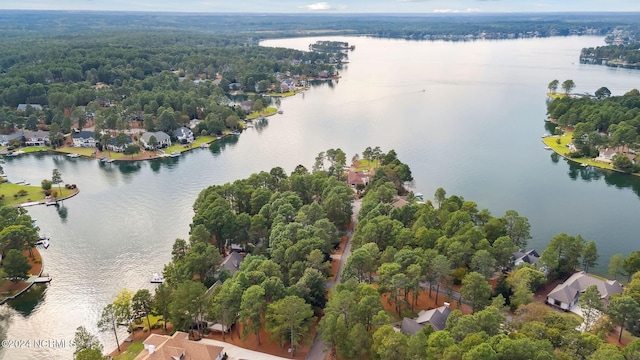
46 184
22 192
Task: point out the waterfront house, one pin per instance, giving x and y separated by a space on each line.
357 177
529 257
184 135
83 139
566 295
178 347
6 139
36 138
113 145
437 318
231 262
161 137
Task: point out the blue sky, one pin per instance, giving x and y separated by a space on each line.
330 6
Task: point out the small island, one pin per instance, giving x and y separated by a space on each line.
597 130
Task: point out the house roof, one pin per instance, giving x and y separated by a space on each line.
113 140
579 282
23 107
209 291
160 136
357 177
410 326
177 346
35 134
182 132
232 262
83 135
7 137
530 257
436 317
400 202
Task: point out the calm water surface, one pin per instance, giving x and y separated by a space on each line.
465 116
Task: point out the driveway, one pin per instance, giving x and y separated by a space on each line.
238 353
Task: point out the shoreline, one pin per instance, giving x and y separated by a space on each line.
562 151
27 285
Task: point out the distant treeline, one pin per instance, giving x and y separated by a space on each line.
25 23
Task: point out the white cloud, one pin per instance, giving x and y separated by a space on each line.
319 6
455 11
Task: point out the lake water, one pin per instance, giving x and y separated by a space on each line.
465 116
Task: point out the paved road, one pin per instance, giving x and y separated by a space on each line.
319 349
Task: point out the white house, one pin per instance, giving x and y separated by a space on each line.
36 138
184 135
83 139
566 295
162 138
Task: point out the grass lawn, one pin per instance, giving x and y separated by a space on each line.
76 150
366 164
284 94
556 95
32 149
266 112
203 139
132 351
34 193
562 149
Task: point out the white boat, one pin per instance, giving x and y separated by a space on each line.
22 182
546 135
584 165
73 156
175 153
547 147
236 133
204 145
157 278
44 241
280 111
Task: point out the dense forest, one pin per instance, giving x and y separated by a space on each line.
159 80
613 55
410 26
447 250
599 122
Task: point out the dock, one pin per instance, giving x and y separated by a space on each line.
39 279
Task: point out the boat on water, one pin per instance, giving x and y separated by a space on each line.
110 161
175 154
236 133
280 111
545 135
547 147
73 156
157 278
103 159
204 145
585 165
22 182
44 241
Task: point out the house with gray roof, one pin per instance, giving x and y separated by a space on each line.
36 138
231 262
184 135
5 139
24 107
566 295
83 139
162 138
529 257
437 318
